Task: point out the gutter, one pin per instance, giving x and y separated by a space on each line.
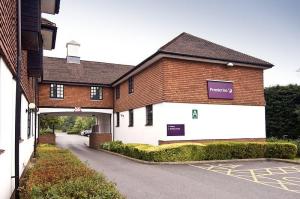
18 102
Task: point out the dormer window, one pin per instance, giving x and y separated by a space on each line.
96 93
57 91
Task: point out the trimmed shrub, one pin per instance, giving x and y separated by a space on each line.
281 150
234 150
177 152
296 142
57 173
196 152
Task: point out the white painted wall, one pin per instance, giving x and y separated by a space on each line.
104 122
214 122
7 132
27 143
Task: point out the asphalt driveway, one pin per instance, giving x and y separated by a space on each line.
247 180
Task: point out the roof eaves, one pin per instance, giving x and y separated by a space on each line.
136 67
267 65
51 26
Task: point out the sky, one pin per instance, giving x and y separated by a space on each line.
129 31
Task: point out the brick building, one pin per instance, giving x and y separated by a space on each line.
22 40
189 90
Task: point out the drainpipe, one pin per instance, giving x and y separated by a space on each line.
18 102
113 116
35 116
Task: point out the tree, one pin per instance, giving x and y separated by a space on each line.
282 111
49 122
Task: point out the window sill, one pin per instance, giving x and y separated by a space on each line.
130 126
96 100
56 98
1 151
149 125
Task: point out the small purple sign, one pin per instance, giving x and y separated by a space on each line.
175 130
220 90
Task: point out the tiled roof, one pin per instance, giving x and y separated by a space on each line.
189 45
87 72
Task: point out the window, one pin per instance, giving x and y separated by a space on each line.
29 115
130 85
96 93
118 92
118 119
149 115
130 117
57 91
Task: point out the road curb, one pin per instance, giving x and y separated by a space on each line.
198 162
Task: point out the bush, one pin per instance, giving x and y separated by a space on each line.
59 174
46 131
234 150
196 152
73 132
281 150
296 142
283 111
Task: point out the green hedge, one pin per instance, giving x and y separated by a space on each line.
296 142
196 152
57 173
73 131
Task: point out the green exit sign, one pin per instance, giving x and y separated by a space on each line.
195 114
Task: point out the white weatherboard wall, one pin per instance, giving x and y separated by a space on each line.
214 122
7 132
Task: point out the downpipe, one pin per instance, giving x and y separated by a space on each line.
18 102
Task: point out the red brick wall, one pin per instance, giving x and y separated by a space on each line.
27 83
75 96
186 82
172 80
96 139
148 89
8 31
8 45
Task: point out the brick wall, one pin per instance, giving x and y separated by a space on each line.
27 83
186 82
148 89
8 32
75 96
172 80
8 46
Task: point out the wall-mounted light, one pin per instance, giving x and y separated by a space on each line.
31 107
230 64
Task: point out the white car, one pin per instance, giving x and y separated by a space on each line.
86 132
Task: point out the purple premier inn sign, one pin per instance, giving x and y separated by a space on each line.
175 130
220 90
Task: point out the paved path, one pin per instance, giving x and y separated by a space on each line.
136 180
